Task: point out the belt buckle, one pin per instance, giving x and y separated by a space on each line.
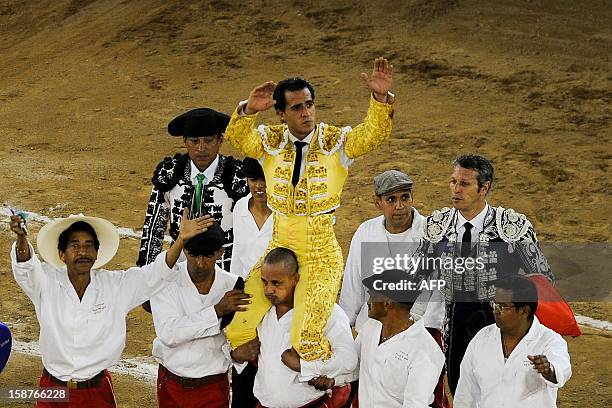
188 384
72 384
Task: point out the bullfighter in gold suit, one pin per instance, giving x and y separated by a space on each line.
306 165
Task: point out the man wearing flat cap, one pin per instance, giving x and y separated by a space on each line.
400 362
202 180
306 165
396 231
81 309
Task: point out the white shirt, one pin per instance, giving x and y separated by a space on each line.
354 297
189 341
250 242
477 224
276 385
80 338
402 372
486 381
209 173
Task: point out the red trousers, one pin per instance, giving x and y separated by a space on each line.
101 396
337 399
440 398
171 394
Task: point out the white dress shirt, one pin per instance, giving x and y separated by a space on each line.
354 297
209 173
80 338
477 224
250 242
487 381
189 341
276 385
402 372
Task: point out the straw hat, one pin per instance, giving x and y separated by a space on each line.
48 237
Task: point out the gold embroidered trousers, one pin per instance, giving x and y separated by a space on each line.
320 266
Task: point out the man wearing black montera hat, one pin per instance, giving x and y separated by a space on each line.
400 362
202 180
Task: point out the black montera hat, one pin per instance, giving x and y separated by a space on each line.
397 285
208 242
199 122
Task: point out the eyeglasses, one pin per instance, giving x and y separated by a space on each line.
499 308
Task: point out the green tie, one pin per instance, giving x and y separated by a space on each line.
198 192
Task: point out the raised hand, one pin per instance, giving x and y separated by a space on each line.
381 79
247 352
22 248
233 301
16 225
260 98
190 228
187 230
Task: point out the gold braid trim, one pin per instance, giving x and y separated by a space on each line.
317 297
243 136
375 129
331 138
274 138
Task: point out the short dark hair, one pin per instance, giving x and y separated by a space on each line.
62 242
482 166
290 84
252 169
524 292
284 255
206 243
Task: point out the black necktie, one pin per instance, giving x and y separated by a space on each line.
298 162
466 241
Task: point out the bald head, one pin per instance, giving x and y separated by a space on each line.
279 275
283 256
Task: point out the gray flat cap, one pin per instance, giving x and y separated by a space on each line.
390 181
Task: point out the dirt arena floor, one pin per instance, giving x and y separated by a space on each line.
88 87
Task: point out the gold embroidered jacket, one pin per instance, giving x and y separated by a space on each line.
319 190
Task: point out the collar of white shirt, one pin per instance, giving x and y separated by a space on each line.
183 278
307 139
209 172
242 207
288 316
413 232
477 222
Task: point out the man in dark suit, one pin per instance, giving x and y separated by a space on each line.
470 247
202 180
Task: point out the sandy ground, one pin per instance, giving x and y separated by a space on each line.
87 88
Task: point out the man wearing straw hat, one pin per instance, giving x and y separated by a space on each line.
81 309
